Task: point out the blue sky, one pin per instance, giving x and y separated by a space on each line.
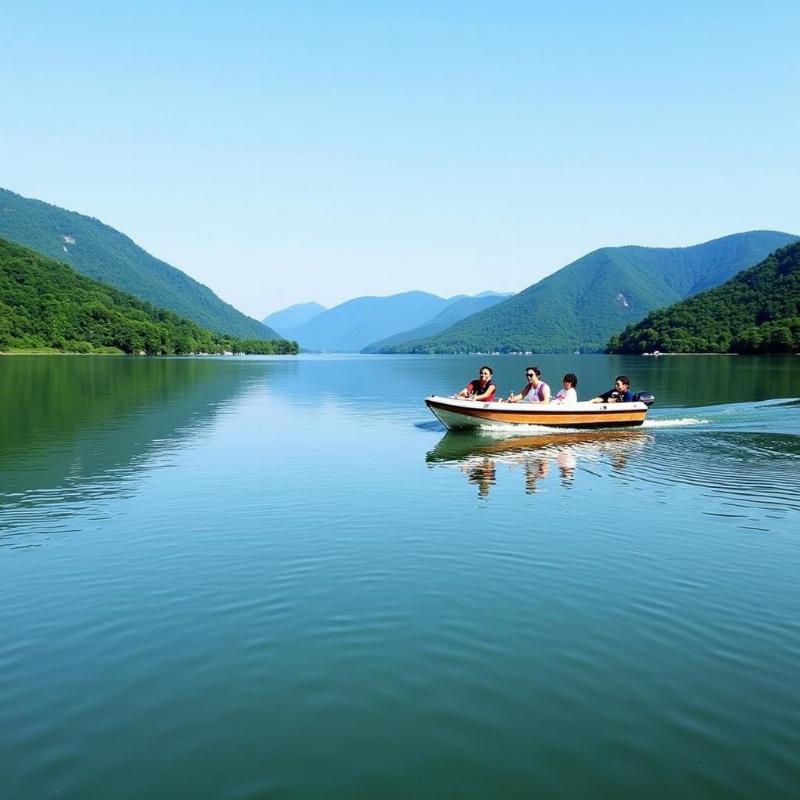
281 152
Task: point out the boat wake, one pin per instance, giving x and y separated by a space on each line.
768 416
745 456
501 430
681 422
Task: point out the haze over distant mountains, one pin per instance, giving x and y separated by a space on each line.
355 324
452 313
584 304
104 254
293 316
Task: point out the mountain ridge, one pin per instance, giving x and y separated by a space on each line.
294 315
45 303
101 252
356 323
580 306
457 309
756 311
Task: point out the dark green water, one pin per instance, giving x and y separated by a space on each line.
229 578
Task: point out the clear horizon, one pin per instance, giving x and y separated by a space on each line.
291 153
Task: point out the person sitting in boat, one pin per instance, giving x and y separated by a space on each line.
568 393
535 391
621 393
482 388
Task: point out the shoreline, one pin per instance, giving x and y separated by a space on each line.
53 352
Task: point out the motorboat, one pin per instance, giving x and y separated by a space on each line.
458 413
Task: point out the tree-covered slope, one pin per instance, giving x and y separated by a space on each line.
105 254
585 303
457 310
757 311
44 303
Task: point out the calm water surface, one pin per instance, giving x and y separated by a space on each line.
249 578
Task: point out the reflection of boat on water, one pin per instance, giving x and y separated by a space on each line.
478 455
458 445
483 473
457 413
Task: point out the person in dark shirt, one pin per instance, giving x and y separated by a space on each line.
482 388
621 393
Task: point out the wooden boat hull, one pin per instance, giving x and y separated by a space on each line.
458 414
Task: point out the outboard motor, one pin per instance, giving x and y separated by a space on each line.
645 397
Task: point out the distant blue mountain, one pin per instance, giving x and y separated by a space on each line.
292 316
460 308
351 326
355 324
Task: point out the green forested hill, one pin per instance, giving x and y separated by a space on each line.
582 305
758 311
105 254
44 303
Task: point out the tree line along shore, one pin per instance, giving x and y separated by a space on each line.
47 307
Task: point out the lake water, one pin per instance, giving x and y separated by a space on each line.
251 578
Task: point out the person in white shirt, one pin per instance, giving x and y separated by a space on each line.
568 393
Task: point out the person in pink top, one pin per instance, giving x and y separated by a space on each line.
535 391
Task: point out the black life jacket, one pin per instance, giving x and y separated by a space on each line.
476 388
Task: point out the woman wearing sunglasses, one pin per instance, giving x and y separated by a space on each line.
535 391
